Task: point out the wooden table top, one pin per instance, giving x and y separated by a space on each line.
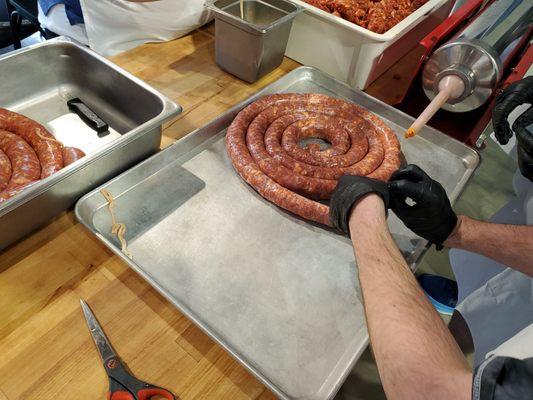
46 349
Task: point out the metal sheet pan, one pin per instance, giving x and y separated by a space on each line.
37 81
280 294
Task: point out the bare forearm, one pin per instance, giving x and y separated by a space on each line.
511 245
416 355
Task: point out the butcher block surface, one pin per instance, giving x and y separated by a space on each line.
47 351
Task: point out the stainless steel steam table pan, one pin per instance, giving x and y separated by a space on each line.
280 294
38 81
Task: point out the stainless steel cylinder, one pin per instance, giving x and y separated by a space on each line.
480 52
252 44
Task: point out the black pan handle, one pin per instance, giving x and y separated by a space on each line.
88 116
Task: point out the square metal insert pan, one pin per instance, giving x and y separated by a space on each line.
37 82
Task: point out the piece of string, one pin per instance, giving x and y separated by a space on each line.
117 228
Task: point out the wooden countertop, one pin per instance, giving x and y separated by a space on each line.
46 349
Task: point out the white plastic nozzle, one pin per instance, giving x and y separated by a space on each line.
450 87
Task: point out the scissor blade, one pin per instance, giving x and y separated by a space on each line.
99 337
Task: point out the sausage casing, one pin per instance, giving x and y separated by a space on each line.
71 154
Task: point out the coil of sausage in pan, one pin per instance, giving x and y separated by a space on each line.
263 145
28 153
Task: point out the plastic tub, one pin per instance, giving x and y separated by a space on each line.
353 54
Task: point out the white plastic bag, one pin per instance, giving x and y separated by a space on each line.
114 26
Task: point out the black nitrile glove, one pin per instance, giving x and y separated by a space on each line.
432 216
516 94
524 138
350 189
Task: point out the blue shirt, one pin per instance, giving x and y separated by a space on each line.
72 8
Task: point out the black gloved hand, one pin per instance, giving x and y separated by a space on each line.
350 189
516 94
432 216
524 138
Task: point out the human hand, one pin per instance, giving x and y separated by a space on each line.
516 94
524 139
431 216
349 191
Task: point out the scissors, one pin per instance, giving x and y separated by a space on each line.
122 385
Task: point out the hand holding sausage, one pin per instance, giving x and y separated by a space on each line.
348 192
431 216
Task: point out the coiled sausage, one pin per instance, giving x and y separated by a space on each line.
24 162
28 152
48 149
262 143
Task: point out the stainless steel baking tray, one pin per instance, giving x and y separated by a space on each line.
37 81
280 294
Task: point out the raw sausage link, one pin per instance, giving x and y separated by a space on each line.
8 193
48 149
71 154
28 152
5 170
262 143
24 162
25 167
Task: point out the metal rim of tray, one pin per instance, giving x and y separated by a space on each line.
169 110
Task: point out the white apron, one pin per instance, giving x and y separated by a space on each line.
114 26
496 301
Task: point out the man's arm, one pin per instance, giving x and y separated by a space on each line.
416 355
432 217
511 245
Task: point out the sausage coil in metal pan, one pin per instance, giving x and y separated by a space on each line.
48 149
263 144
28 152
